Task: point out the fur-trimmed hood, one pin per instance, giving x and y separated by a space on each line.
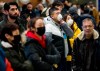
6 44
95 35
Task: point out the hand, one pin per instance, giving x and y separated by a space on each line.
62 21
55 65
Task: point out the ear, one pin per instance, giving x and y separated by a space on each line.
6 12
7 36
52 16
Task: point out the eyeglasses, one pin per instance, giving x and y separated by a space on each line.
89 26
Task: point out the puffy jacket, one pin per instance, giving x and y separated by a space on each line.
16 57
76 31
42 58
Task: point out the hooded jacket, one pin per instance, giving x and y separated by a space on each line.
42 58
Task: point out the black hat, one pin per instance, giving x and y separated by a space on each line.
72 10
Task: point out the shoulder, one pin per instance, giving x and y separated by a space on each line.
2 54
2 22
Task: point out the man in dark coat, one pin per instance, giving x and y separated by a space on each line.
86 50
12 16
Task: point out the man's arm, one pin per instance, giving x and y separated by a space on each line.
67 29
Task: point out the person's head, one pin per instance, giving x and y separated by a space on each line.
73 10
86 10
55 14
1 7
91 4
58 4
10 33
88 26
40 7
29 6
11 10
37 26
68 19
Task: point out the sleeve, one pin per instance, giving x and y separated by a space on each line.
54 57
67 29
17 64
75 57
33 55
2 61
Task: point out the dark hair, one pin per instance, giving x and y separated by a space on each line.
28 3
65 16
7 5
52 9
8 29
33 21
57 3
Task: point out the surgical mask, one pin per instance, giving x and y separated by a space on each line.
40 31
17 39
70 22
59 17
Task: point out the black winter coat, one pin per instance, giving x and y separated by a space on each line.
42 58
16 56
86 53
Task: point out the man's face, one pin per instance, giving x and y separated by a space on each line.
13 12
10 38
29 7
39 23
88 27
55 15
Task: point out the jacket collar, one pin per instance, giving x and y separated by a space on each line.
95 35
52 21
6 44
32 35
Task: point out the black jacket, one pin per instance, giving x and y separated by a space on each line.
86 53
20 22
16 56
42 58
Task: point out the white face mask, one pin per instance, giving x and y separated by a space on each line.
59 17
70 22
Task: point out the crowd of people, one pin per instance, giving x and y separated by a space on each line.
57 36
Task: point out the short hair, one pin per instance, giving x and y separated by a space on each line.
51 10
33 21
29 3
7 5
57 3
88 19
8 29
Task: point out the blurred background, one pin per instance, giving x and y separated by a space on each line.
35 2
